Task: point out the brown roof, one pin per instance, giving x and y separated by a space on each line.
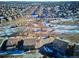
27 41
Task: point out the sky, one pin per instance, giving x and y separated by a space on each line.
39 0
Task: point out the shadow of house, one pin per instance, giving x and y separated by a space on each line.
56 49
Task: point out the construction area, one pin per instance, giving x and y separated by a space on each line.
39 29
